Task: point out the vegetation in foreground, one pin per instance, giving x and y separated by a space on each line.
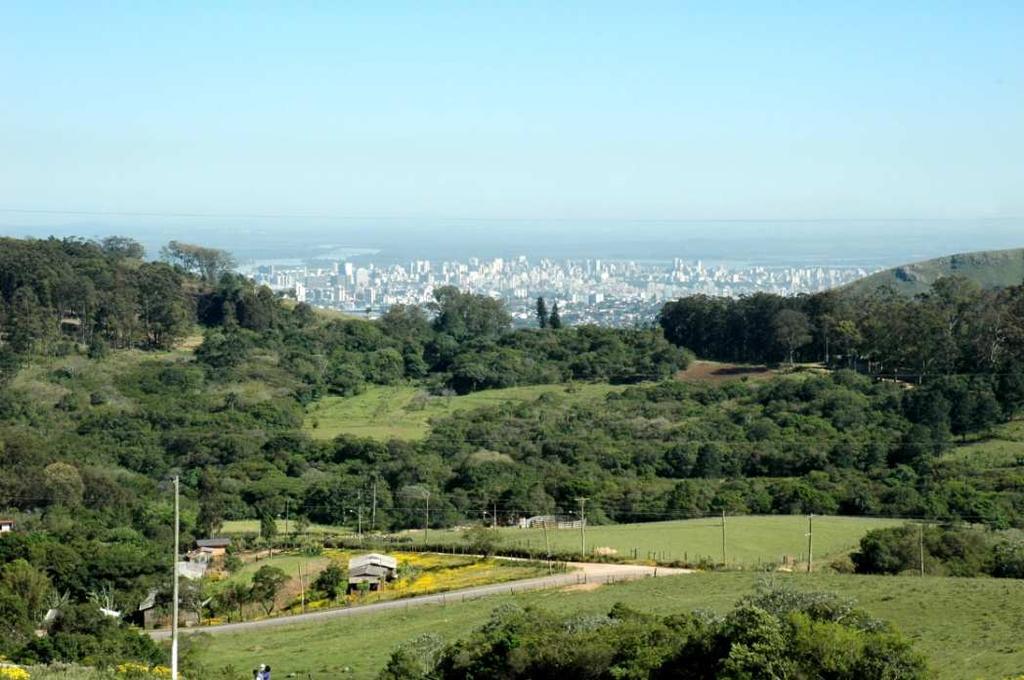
967 628
776 633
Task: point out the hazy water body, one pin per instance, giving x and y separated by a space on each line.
763 242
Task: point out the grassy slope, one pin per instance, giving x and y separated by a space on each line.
400 412
969 628
749 540
990 268
252 526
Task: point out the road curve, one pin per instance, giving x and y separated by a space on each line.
581 573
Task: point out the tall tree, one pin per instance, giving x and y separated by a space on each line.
792 331
555 320
542 313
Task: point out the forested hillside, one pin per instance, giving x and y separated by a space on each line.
101 403
955 330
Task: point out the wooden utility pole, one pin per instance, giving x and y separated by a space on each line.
373 512
494 517
583 525
547 543
302 585
359 515
174 607
810 537
286 516
426 518
723 538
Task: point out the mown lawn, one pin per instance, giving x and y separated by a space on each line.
750 540
404 412
969 628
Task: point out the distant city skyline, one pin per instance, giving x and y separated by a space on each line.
591 290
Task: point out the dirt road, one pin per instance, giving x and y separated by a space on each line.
580 573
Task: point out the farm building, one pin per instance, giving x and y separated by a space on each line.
215 547
373 569
6 526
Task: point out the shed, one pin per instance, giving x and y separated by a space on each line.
373 569
6 526
217 547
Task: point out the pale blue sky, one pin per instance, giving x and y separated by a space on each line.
512 110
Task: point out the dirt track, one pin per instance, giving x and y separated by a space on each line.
582 573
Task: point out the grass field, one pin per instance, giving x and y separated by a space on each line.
969 628
1002 448
252 526
749 540
404 412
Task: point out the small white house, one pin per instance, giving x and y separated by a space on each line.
6 526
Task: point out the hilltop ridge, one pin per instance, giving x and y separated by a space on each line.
988 268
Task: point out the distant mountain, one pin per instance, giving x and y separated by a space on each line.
989 268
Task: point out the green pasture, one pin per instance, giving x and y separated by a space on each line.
749 540
234 527
968 628
404 412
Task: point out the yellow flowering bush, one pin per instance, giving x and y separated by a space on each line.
141 671
12 673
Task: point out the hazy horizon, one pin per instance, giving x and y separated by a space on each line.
769 242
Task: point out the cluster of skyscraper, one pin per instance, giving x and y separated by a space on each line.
587 291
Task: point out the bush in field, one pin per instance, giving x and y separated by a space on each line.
779 633
1008 558
956 551
482 541
329 580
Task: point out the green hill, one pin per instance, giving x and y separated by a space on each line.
989 268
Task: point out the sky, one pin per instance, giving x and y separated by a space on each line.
513 110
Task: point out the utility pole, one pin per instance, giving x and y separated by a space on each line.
174 608
285 516
302 585
359 515
810 537
494 517
547 543
723 538
920 545
426 519
373 512
583 525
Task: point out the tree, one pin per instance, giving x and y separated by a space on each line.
164 311
123 247
329 580
542 313
29 584
209 263
555 320
267 582
64 484
792 331
468 316
268 526
482 540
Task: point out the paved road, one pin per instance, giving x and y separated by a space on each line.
582 573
